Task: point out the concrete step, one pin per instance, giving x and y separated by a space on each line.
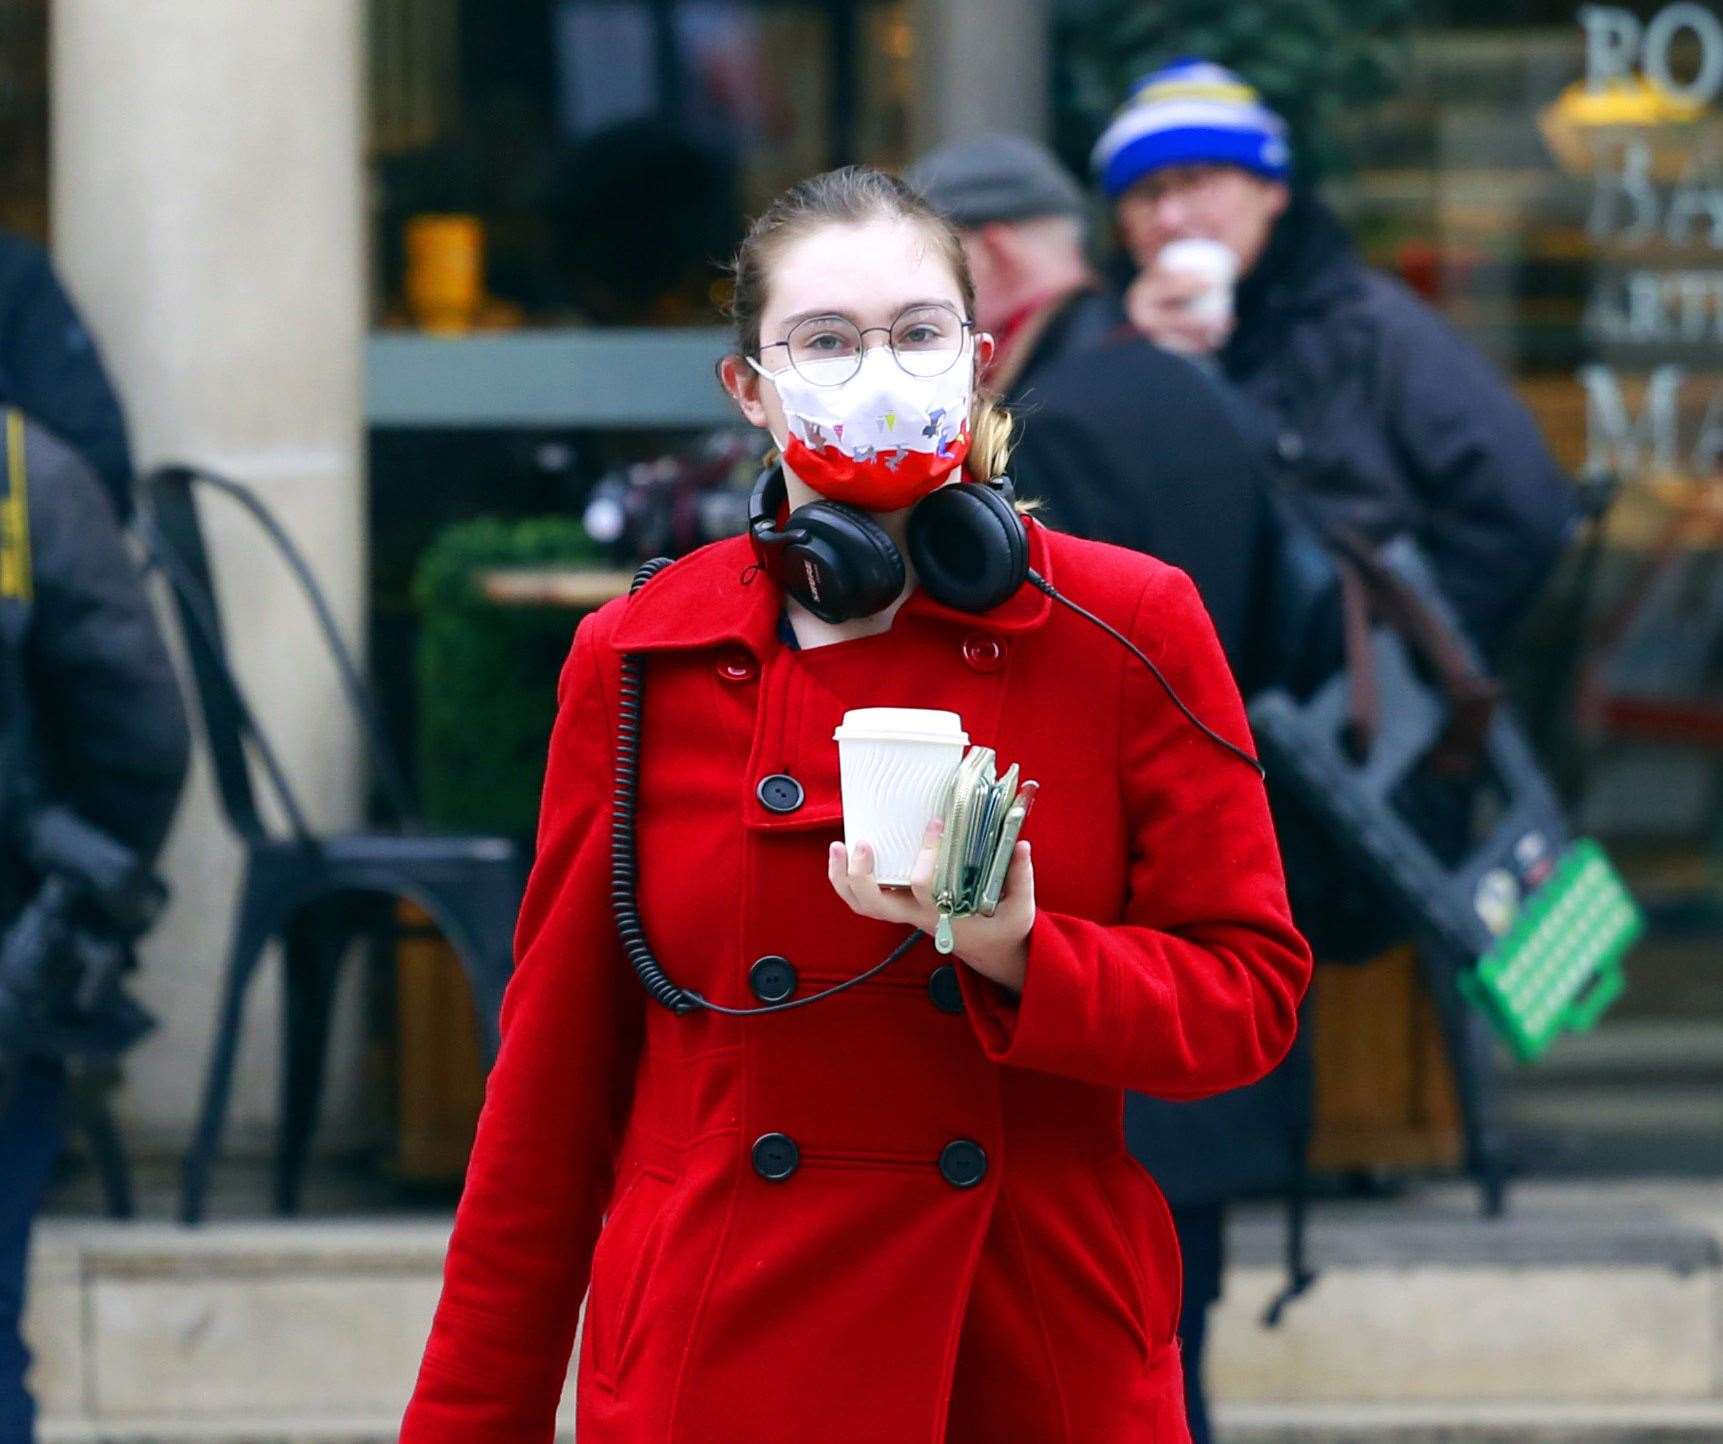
1652 1051
1543 1423
1595 1293
1586 1298
1526 1423
1637 1097
237 1429
146 1321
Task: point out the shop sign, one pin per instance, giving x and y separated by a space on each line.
1656 223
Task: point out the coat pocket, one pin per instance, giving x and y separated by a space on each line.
1140 1212
623 1260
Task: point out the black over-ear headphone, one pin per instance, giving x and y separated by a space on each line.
966 542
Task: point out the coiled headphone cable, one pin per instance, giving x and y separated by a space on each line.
624 865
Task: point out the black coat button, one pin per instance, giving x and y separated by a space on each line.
942 987
776 1156
780 792
962 1163
772 978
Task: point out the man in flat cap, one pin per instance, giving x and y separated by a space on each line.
1023 220
1122 441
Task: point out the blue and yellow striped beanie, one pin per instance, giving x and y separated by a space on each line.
1190 113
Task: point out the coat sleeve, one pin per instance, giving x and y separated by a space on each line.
105 701
1197 989
1499 510
541 1170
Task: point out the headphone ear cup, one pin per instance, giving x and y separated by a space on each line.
969 546
846 568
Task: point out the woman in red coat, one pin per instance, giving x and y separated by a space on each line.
904 1214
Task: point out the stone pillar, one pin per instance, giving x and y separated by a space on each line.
980 66
207 216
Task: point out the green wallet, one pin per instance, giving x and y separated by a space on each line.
984 814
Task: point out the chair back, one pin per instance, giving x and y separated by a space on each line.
176 539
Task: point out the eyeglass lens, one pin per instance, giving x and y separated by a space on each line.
827 350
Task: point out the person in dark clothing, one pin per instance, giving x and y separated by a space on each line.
94 721
1022 218
1127 443
1120 440
51 371
1381 415
1364 403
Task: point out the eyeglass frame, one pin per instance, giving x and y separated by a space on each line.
968 327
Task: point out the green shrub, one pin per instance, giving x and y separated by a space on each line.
487 674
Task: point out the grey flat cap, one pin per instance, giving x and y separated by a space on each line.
996 178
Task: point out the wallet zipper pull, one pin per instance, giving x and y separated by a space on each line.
943 940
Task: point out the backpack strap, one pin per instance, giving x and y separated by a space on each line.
1370 589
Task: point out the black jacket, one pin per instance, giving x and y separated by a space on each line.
50 369
104 707
1389 421
1125 443
1129 444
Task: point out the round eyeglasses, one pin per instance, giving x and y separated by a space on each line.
925 340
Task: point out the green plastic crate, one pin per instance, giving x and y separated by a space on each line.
1558 966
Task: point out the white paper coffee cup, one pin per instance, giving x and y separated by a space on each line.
894 763
1214 263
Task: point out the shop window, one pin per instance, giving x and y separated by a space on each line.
591 162
24 118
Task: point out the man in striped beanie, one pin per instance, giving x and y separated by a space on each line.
1373 409
1368 400
1193 157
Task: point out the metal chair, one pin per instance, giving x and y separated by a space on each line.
315 894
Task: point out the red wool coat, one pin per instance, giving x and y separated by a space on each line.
880 1293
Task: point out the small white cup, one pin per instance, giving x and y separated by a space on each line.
894 762
1214 263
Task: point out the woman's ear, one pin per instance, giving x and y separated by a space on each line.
985 350
743 383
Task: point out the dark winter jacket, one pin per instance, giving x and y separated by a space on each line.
1126 443
103 705
50 369
1390 422
1129 444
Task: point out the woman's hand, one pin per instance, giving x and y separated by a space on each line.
996 947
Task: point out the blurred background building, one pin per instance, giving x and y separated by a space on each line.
401 264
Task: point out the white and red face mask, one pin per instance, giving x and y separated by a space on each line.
881 439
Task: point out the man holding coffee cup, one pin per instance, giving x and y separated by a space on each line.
1363 400
1372 405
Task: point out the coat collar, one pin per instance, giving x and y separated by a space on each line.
717 595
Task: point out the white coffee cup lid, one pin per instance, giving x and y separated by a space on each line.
901 724
1211 259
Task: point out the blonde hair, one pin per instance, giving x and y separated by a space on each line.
854 195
